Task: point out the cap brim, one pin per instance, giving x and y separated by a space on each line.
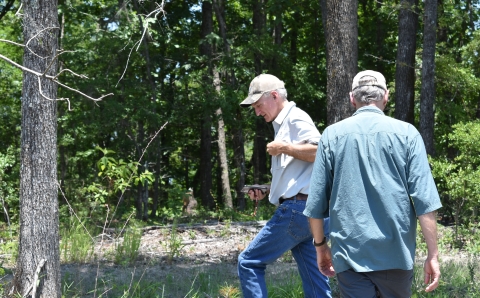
250 100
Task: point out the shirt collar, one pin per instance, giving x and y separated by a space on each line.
369 109
284 112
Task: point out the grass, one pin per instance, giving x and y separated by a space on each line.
220 280
125 275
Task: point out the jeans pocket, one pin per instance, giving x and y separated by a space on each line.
298 227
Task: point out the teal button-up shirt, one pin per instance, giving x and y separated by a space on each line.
371 175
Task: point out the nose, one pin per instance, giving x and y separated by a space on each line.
257 111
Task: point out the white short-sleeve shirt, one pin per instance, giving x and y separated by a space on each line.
291 176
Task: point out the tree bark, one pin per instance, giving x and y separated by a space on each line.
405 65
341 35
39 223
239 158
427 96
259 157
222 146
206 134
259 28
222 150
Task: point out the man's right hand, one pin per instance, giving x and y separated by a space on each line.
324 260
256 194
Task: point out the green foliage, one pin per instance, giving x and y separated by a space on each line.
120 174
174 244
126 251
458 176
9 185
290 286
456 281
76 244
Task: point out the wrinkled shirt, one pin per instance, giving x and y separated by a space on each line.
291 176
371 175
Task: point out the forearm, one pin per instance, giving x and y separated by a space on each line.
428 223
305 152
316 227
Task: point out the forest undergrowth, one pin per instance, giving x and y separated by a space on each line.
198 259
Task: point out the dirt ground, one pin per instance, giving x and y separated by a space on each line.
198 257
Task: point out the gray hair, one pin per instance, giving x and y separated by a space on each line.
367 94
283 93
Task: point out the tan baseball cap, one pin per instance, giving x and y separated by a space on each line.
378 80
259 85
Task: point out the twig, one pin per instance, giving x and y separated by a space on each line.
140 159
11 42
101 245
18 14
53 79
33 37
34 285
156 12
73 211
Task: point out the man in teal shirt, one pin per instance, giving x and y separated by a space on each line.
371 176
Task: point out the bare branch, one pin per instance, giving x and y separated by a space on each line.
47 98
11 42
74 74
54 79
139 160
33 37
81 93
155 12
126 66
18 14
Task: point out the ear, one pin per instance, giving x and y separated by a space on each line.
352 100
385 99
274 94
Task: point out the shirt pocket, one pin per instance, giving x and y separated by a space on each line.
281 161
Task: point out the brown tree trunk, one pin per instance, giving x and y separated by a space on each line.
222 146
380 38
405 66
239 158
341 35
38 252
259 157
478 108
427 96
222 150
259 28
294 38
206 125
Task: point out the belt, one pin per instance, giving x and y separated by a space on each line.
299 196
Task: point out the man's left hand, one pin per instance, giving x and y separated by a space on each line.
275 148
431 270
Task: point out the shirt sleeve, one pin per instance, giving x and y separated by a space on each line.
304 129
421 186
317 205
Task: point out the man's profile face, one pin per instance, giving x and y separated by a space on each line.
266 106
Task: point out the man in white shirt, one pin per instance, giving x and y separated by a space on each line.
293 153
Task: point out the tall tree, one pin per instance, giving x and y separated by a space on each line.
341 35
205 168
405 64
259 157
38 264
427 95
222 146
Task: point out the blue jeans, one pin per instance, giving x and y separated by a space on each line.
288 229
